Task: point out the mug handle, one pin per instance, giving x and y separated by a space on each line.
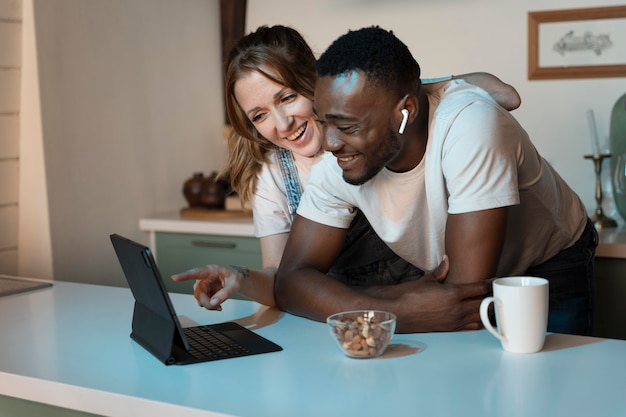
484 317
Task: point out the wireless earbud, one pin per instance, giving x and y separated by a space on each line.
405 118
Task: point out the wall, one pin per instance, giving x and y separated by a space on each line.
121 101
34 247
129 101
10 69
455 36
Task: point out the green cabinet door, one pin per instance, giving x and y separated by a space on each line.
178 252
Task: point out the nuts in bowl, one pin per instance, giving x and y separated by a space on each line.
362 333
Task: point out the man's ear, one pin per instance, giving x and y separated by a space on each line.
405 118
410 104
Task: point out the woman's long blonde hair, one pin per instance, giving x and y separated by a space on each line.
282 55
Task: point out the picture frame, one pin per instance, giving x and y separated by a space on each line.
577 43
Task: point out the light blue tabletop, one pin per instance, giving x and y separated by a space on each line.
69 346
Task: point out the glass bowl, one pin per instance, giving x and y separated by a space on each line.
362 333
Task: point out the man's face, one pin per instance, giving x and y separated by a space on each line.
356 119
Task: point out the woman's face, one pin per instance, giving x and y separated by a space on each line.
280 115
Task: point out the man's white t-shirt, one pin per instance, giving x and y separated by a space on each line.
478 157
270 205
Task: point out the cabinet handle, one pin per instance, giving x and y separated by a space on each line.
206 244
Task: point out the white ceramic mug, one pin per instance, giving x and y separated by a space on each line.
521 306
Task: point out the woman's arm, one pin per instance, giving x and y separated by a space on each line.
504 94
215 283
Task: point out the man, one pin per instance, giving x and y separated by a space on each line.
449 173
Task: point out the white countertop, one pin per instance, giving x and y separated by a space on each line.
69 346
612 241
174 223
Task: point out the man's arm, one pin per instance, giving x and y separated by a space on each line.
474 244
302 288
481 173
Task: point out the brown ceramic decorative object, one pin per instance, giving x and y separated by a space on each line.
192 189
213 194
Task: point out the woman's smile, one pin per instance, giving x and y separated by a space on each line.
298 133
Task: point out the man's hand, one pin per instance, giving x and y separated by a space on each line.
432 305
214 284
441 272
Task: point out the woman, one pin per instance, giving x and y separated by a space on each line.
269 85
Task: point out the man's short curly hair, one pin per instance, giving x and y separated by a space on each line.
376 52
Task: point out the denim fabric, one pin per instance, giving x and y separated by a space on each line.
570 274
290 177
367 260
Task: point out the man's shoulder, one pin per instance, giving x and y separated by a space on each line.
325 164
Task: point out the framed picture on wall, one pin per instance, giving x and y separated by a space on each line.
577 43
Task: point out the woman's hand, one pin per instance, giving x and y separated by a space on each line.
214 283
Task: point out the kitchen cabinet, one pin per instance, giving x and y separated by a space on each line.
180 244
178 252
610 306
610 284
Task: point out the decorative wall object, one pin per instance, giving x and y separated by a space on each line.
577 43
233 23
